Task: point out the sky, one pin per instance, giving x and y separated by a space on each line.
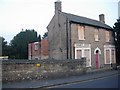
36 14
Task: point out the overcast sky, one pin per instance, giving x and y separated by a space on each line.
36 14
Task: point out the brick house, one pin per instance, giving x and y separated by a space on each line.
38 50
73 37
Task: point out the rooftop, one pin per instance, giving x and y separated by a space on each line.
86 21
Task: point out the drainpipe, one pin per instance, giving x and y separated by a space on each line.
67 37
70 41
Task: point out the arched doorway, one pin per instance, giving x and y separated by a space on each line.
97 53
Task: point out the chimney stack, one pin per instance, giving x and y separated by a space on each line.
58 6
102 18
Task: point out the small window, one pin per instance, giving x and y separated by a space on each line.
96 34
36 46
107 36
81 32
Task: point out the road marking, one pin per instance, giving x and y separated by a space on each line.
82 81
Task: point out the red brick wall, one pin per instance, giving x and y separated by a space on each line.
44 48
41 52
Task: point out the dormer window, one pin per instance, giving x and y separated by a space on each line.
81 32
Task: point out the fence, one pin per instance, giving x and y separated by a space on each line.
19 70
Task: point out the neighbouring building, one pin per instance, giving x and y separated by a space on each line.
38 50
34 51
74 37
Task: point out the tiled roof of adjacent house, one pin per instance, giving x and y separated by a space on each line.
87 21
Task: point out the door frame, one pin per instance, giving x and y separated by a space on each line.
99 52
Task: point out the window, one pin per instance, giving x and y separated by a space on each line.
113 56
96 35
79 54
81 33
87 55
107 36
83 52
108 56
36 46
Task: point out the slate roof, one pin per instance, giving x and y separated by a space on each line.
87 21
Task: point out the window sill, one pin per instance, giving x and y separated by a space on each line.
97 40
81 39
107 41
107 63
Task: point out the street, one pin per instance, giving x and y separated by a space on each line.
104 82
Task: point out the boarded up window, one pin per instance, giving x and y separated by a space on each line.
113 56
87 55
81 32
108 56
107 36
96 35
79 54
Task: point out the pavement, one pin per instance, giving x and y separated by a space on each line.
48 83
102 82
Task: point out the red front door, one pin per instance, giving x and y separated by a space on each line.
97 60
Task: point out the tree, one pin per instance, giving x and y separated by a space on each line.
19 44
4 47
45 35
117 39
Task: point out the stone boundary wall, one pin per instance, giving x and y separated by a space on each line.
22 70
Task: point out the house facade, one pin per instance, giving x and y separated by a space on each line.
38 50
74 37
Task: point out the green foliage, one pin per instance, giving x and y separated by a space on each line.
45 35
117 39
19 44
5 49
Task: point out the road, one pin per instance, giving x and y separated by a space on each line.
106 79
103 82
